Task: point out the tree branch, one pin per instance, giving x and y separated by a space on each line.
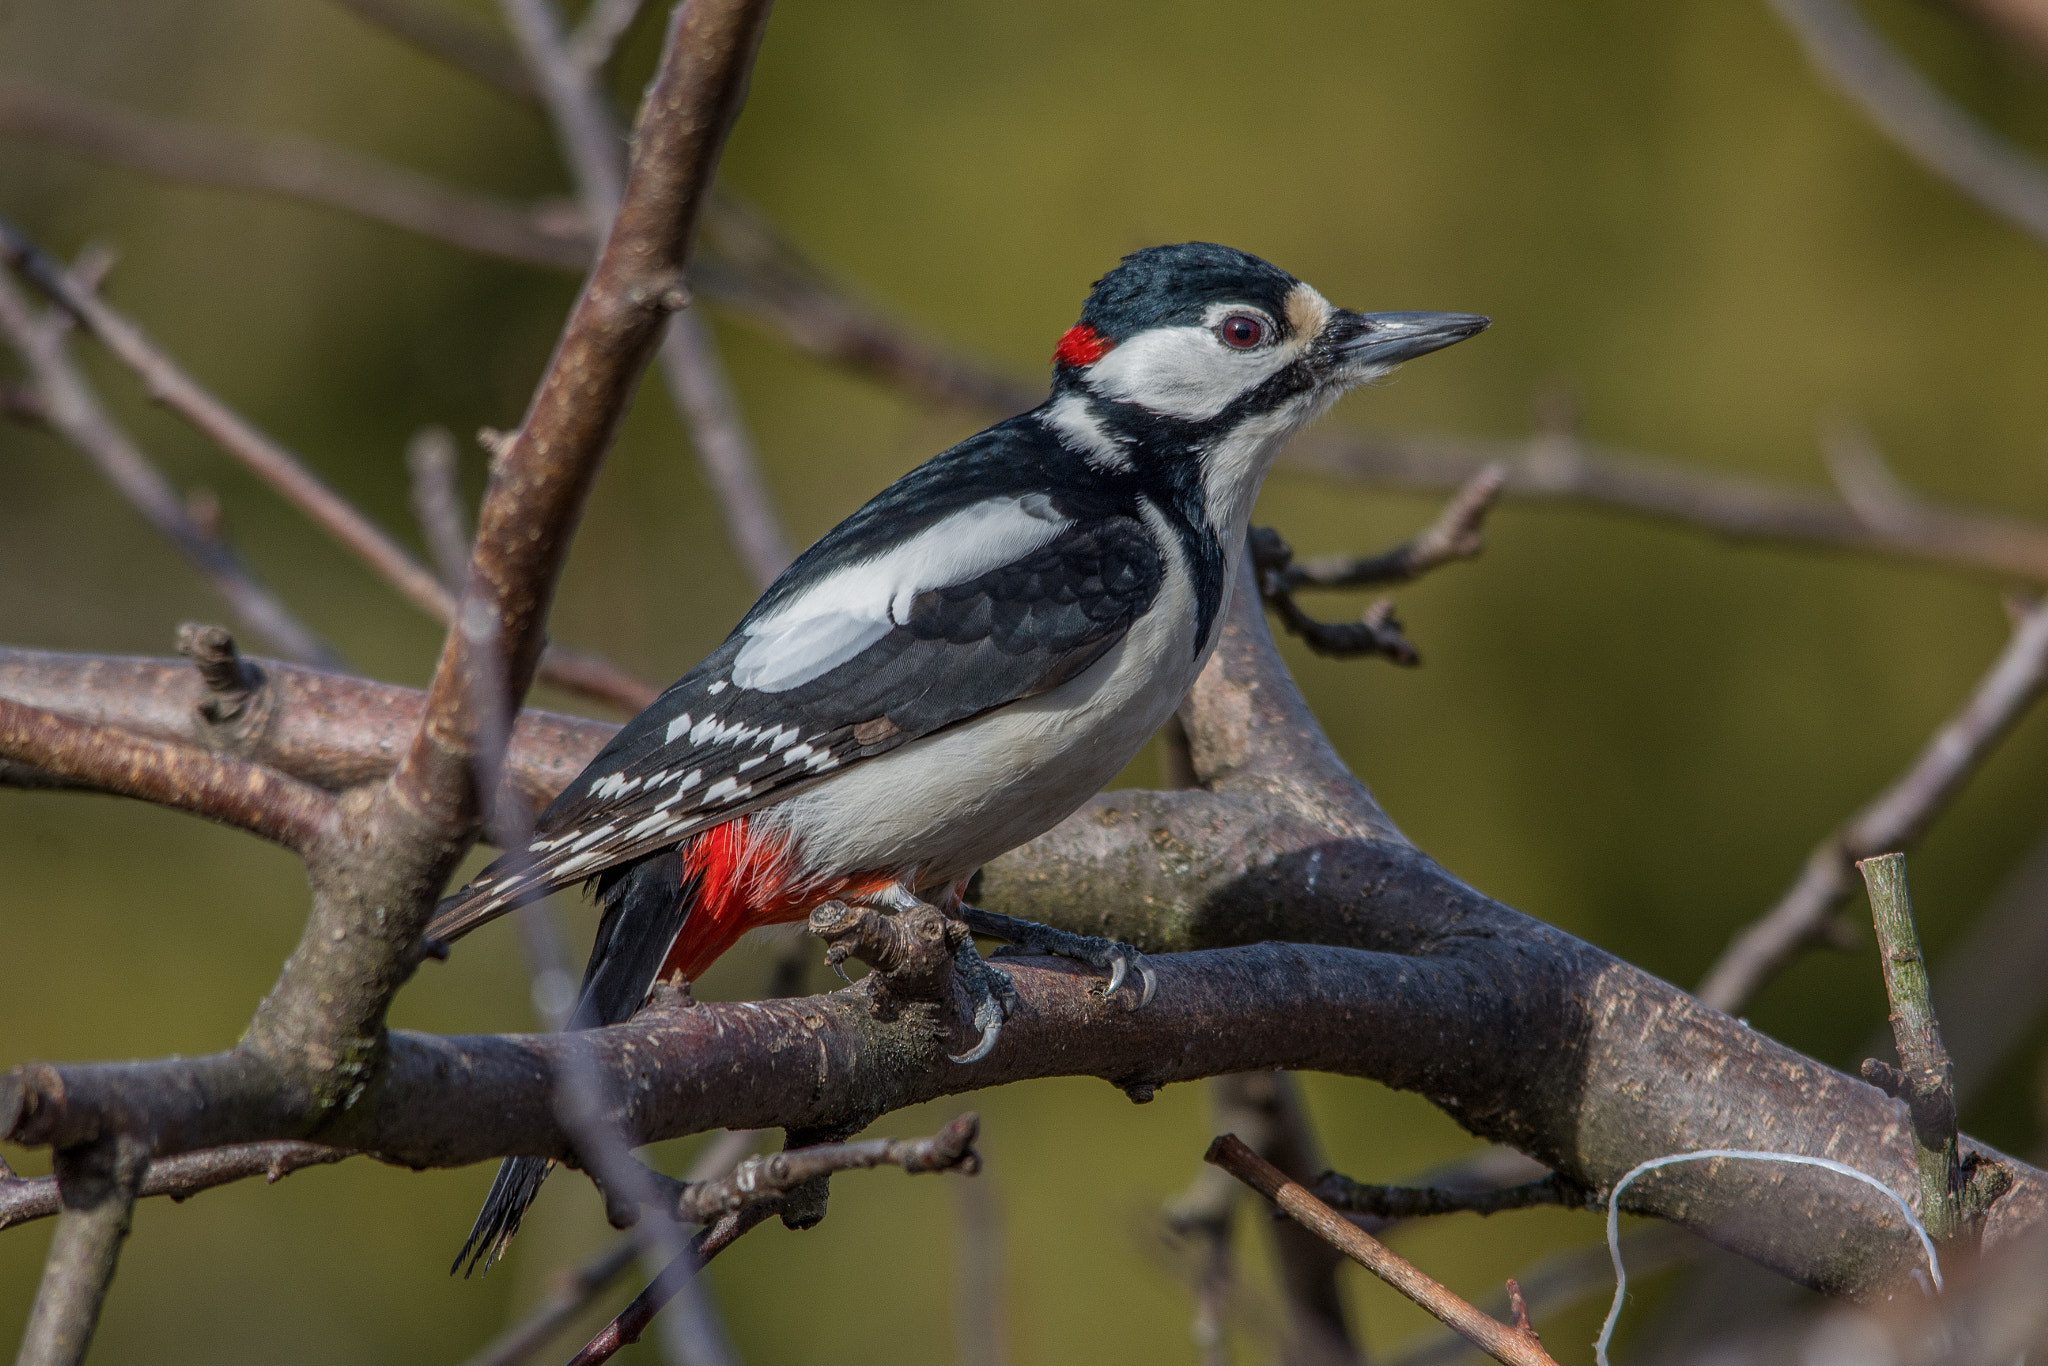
219 787
1918 118
61 399
1895 819
1283 844
1512 1346
1558 468
23 1200
592 145
437 503
298 167
97 1183
632 1321
169 384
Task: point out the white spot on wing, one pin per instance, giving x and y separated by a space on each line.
679 726
716 688
851 608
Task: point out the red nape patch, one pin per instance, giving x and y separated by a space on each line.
1082 345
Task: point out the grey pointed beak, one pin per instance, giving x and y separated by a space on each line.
1390 338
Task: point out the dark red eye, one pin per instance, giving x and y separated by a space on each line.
1242 331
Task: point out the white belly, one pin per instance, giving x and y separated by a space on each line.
940 807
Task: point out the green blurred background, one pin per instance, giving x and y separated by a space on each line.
1630 731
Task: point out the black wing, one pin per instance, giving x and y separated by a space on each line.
709 749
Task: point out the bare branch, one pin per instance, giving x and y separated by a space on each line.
540 480
1458 533
592 145
1455 535
980 1289
300 167
599 30
169 384
1558 468
23 1200
1895 819
751 267
632 1321
443 32
97 1184
437 502
1918 118
1562 1280
1281 844
577 1288
1509 1345
697 381
951 1149
218 786
61 399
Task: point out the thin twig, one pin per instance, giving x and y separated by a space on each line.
632 1321
303 168
1416 1202
1556 467
437 502
1458 533
61 399
1510 1346
1918 118
773 1176
1560 1281
592 144
575 1289
1895 819
755 1190
1455 535
98 1182
598 32
1924 1079
168 383
980 1291
220 787
23 1200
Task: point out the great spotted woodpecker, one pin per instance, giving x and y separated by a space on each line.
963 662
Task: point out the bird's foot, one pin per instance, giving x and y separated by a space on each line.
1104 955
988 989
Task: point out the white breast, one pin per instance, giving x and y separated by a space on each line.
942 806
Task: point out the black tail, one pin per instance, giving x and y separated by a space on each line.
645 904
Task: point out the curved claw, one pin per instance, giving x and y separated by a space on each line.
989 1034
1116 975
1151 980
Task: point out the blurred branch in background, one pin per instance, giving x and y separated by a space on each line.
1918 118
2025 22
575 1289
59 398
1895 819
445 32
23 1199
1267 1111
981 1284
750 267
169 384
1511 1344
593 146
431 460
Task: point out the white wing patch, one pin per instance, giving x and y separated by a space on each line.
852 608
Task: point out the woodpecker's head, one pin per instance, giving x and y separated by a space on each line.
1203 353
1199 331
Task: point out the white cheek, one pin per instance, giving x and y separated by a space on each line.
1182 372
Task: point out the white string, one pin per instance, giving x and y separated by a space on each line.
1825 1163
